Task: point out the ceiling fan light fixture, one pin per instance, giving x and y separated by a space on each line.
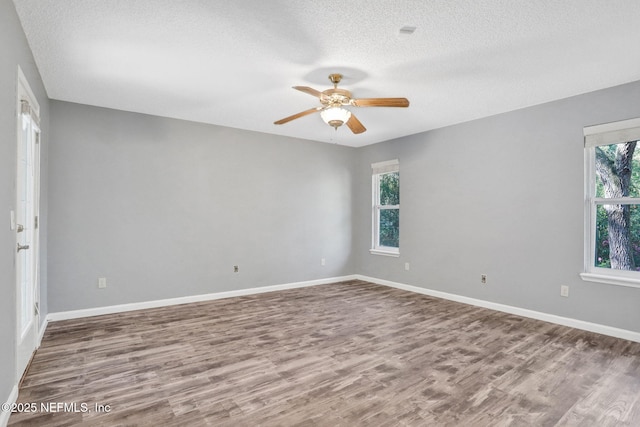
335 116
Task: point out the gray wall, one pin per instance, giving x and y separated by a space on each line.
15 51
501 196
165 208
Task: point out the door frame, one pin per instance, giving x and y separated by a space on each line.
24 92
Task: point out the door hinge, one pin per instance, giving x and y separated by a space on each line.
36 308
35 222
24 107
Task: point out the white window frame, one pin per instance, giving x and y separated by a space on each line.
379 169
594 136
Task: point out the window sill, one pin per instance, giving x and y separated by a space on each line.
395 253
611 280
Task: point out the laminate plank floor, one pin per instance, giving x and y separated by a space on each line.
345 354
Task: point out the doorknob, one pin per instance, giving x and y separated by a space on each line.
19 228
21 247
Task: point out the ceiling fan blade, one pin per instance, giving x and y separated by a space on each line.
309 90
297 116
355 125
380 102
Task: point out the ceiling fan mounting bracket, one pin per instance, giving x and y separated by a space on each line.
335 79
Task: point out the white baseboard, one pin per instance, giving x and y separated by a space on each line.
4 415
43 328
75 314
13 396
552 318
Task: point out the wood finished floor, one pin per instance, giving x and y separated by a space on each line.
345 354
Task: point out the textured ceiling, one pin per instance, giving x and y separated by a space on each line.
232 63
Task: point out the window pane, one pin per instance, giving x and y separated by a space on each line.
389 227
390 188
618 170
618 237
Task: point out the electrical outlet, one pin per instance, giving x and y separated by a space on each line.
102 282
236 269
564 291
322 261
407 266
483 279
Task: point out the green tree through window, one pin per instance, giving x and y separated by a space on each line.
389 214
386 208
617 233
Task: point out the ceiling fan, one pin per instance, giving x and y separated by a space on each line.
333 100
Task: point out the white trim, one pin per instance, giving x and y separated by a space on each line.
33 102
4 415
24 93
589 209
616 201
621 280
13 396
379 169
380 251
386 166
552 318
97 311
42 331
592 273
611 126
612 133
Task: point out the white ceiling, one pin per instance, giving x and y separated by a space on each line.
232 63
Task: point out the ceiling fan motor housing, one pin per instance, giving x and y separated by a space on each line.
335 97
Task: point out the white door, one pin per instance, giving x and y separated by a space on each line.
26 225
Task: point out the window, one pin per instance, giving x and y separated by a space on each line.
386 208
612 203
